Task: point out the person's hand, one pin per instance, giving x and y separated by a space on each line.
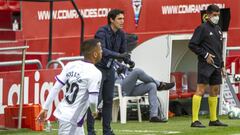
120 70
124 56
95 115
41 116
224 73
210 59
131 64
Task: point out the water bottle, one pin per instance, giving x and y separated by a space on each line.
49 126
173 79
15 25
184 83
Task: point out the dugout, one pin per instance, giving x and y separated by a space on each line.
168 55
164 55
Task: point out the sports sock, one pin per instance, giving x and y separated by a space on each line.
196 101
212 102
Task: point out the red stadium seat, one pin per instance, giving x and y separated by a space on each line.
3 5
179 88
13 5
173 96
178 78
186 95
173 92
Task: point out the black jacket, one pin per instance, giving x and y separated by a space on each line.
113 43
208 38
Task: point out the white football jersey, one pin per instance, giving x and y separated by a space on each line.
81 78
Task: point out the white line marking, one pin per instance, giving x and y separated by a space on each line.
151 132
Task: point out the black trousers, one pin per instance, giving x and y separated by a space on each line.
106 94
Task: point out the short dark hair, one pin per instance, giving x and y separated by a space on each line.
88 46
212 8
113 13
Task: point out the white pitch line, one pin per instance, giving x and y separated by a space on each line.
151 132
148 132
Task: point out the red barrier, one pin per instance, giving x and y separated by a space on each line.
29 115
178 78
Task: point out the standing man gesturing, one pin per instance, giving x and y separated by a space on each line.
114 47
207 44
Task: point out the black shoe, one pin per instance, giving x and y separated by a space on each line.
112 133
92 133
109 133
197 124
217 123
156 119
165 86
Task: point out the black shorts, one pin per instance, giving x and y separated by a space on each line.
207 74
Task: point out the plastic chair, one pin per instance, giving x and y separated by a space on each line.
121 102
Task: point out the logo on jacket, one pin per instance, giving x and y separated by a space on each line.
204 18
210 33
137 5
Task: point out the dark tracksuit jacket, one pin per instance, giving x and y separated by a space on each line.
207 38
112 45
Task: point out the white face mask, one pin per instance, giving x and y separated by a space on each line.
214 19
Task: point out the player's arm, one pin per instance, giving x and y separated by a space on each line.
93 101
52 94
93 90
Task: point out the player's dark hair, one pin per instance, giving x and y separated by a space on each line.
212 8
113 13
88 46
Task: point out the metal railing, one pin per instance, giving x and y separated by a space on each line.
60 60
14 63
234 48
23 48
56 63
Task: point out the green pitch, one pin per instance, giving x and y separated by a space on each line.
175 126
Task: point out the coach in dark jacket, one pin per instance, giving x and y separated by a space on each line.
207 44
114 47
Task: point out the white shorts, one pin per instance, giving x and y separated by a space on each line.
67 128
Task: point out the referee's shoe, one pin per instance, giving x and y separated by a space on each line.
197 124
217 123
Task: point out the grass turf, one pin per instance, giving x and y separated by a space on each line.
176 125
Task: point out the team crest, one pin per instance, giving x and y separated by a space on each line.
137 5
